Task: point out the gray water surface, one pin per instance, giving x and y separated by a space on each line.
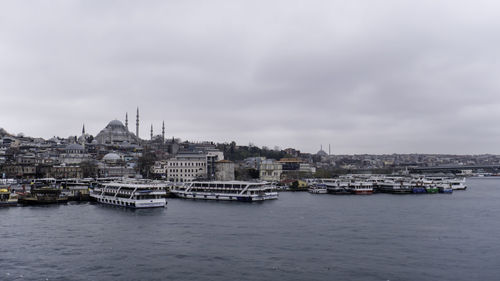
300 236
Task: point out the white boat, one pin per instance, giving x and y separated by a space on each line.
397 186
226 190
457 184
318 189
359 187
130 195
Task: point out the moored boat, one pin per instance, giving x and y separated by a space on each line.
397 186
418 189
445 188
340 188
7 198
130 194
418 186
457 184
432 188
42 196
226 190
361 188
318 189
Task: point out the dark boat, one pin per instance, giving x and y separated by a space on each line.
418 189
338 190
42 196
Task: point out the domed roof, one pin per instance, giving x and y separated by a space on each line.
74 146
115 133
322 153
111 157
116 123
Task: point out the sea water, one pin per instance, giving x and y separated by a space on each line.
300 236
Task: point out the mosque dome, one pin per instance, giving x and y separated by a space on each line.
322 153
115 133
111 157
115 123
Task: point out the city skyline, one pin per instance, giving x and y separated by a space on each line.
401 77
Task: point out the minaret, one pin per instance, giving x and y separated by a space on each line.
151 131
137 124
163 132
329 149
83 136
126 126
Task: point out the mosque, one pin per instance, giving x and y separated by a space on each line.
116 133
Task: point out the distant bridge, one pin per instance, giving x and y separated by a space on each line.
450 168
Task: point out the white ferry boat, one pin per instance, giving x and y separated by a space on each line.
359 188
226 190
130 195
457 184
318 188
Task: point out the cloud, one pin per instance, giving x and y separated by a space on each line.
377 77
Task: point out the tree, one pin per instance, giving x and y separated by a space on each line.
323 173
254 174
145 162
89 169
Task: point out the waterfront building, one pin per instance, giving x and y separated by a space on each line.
290 164
213 156
186 167
73 154
8 141
63 171
20 171
270 170
26 159
160 168
307 168
253 162
224 170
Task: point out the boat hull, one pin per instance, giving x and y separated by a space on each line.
432 190
339 191
418 190
318 191
127 203
363 192
401 191
8 203
226 197
35 201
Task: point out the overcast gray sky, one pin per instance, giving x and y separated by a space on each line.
364 76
